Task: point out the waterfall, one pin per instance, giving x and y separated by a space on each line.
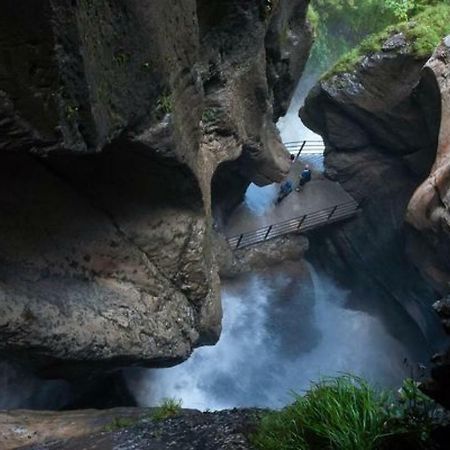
282 329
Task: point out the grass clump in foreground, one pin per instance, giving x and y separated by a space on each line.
169 407
345 413
118 423
424 31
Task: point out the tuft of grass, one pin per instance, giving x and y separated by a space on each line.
345 413
340 413
169 407
424 32
119 423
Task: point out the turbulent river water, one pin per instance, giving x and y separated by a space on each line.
281 330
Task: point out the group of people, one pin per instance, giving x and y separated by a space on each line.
287 187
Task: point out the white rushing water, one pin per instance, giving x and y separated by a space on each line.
281 330
290 126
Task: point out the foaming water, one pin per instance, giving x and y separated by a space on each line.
290 126
282 330
260 199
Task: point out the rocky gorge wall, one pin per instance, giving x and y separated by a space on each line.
380 120
119 121
428 216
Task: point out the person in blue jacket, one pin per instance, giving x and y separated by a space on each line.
285 190
305 177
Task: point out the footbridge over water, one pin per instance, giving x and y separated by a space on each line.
319 203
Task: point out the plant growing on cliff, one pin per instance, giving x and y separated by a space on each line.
340 25
345 413
169 407
423 32
164 104
118 423
210 115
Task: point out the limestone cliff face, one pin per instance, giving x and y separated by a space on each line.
429 216
380 124
429 209
114 118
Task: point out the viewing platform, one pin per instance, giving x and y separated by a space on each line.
320 202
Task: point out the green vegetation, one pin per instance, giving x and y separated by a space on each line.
169 408
210 115
120 422
341 25
71 111
164 104
424 32
345 413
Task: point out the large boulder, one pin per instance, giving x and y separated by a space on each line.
429 209
114 117
380 127
428 214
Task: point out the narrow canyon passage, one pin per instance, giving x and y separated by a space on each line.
282 329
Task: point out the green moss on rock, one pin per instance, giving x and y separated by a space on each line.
423 33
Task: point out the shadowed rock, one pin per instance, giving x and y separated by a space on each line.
428 211
380 125
114 118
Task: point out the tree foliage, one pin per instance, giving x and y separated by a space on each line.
340 25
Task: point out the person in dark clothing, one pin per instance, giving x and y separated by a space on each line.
285 190
305 177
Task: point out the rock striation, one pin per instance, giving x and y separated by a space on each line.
119 122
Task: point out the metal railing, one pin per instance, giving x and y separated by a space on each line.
310 147
296 225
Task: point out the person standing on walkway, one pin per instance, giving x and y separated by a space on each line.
305 177
285 190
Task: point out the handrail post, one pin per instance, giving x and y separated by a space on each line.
300 223
239 240
332 212
268 232
301 148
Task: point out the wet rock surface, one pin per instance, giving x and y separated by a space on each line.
226 430
429 209
438 386
113 145
259 257
380 126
